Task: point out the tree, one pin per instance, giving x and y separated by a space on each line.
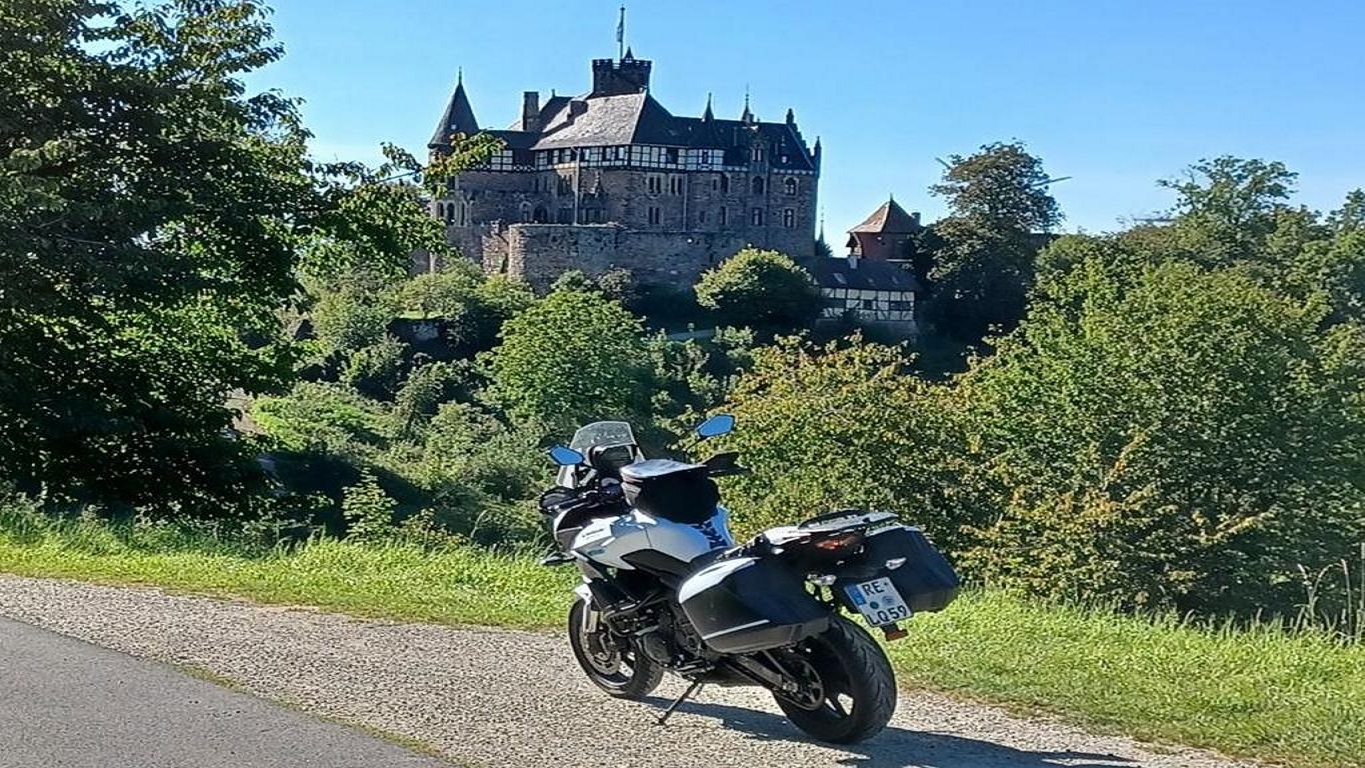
1166 436
840 426
983 251
572 357
152 217
143 197
1227 207
766 290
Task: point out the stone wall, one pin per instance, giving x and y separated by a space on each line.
540 253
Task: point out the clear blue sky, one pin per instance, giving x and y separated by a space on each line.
1116 93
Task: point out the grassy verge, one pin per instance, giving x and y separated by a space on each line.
1259 693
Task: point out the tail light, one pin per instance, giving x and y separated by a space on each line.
839 542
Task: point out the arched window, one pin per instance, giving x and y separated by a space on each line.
789 186
789 218
440 210
758 185
541 216
724 182
756 217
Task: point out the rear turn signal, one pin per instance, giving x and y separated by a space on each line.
893 632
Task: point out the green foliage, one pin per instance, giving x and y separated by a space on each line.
471 308
321 418
367 509
983 251
1176 438
147 203
572 357
374 371
831 427
761 289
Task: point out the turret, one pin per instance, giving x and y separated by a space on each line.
613 78
458 118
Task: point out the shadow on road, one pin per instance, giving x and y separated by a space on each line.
898 747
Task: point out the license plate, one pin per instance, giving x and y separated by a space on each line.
878 601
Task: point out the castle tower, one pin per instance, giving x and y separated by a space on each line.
884 235
458 118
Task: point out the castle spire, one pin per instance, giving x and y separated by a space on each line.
791 116
458 117
748 116
708 115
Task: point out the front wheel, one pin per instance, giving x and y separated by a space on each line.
847 689
611 663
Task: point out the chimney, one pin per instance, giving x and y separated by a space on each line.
530 111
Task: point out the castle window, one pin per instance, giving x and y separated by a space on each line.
654 214
619 153
440 210
790 185
701 217
789 218
541 216
758 153
724 216
724 182
654 184
526 213
565 215
758 185
671 155
675 185
756 217
565 185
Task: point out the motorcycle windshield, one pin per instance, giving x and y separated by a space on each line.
602 433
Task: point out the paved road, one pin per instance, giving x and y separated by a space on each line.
484 697
67 703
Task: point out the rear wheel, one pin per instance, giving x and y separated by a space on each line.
611 663
847 689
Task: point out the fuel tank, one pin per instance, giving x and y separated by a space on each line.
609 540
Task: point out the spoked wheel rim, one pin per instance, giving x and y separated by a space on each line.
825 688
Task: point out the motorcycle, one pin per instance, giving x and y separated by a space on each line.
665 587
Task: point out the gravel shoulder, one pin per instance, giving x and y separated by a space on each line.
492 697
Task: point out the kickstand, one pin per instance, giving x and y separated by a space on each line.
691 689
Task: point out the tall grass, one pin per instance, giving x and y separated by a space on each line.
1258 691
1347 619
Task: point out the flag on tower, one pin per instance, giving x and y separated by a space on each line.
621 29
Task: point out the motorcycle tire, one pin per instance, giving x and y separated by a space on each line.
612 664
848 692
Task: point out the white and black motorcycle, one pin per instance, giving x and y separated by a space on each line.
666 588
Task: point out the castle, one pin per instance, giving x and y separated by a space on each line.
611 179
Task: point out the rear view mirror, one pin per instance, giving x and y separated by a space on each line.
565 456
720 424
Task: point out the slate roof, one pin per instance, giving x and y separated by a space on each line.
458 118
870 275
635 118
890 218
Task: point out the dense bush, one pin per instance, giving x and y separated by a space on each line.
766 290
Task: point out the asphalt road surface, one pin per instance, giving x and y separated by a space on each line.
66 703
480 697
